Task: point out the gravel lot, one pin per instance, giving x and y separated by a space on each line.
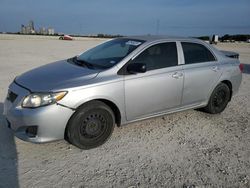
187 149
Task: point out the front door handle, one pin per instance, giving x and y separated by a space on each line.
177 75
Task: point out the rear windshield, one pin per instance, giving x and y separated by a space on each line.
110 53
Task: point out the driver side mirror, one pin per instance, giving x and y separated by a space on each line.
136 68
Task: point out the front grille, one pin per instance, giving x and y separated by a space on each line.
11 96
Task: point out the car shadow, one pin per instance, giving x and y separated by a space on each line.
8 155
246 68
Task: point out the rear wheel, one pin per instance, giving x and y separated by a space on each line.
218 100
91 125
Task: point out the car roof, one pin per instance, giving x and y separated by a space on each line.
151 38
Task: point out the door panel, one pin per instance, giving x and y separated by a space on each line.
200 78
152 92
201 73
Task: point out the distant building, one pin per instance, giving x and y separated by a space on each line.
31 25
214 39
23 29
51 31
30 29
43 31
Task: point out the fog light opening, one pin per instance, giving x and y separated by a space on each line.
31 131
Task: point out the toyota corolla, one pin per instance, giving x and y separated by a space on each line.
123 80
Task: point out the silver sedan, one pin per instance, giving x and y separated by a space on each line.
127 79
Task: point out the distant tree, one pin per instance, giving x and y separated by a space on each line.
235 37
204 38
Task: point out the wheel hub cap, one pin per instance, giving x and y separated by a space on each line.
219 98
92 126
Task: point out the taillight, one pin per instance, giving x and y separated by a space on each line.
241 66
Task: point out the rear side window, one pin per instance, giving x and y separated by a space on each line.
159 56
196 53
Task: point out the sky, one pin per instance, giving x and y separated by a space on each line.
129 17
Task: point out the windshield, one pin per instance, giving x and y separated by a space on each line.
109 53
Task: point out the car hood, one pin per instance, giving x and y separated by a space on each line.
55 76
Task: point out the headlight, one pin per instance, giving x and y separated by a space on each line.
35 100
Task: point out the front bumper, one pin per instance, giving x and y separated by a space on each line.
50 121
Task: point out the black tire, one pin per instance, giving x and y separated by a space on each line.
218 100
91 125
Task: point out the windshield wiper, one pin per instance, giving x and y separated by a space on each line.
82 62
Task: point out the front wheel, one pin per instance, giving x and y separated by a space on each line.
91 125
218 100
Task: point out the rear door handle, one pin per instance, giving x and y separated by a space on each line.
215 68
177 75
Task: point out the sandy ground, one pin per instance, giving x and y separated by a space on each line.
187 149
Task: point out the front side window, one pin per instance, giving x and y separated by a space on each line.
159 56
109 53
196 53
